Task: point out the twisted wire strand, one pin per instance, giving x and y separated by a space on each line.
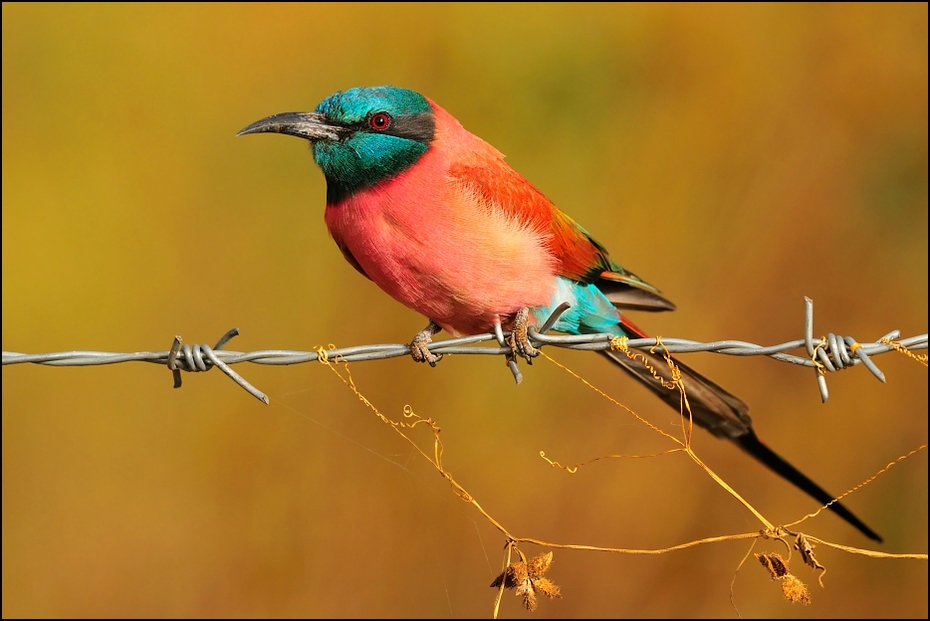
830 354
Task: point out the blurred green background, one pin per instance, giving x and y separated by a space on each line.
739 157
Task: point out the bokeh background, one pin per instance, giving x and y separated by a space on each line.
739 157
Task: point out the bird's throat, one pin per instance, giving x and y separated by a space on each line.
364 161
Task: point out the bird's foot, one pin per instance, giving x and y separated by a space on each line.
519 340
418 346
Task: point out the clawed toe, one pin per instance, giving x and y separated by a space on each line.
419 350
519 340
525 350
420 353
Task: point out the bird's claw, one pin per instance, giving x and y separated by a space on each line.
519 340
418 346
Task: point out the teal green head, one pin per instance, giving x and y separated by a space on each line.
361 136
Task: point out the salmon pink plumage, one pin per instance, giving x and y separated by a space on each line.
438 220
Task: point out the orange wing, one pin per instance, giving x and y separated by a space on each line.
580 256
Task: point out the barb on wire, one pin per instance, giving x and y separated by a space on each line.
193 360
831 353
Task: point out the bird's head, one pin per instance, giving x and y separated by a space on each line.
361 136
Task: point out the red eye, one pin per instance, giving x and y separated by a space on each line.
380 121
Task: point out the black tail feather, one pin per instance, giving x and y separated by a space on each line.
752 445
726 416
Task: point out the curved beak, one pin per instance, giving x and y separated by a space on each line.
310 126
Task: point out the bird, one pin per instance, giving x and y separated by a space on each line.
435 217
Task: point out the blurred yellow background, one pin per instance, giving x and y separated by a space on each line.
738 157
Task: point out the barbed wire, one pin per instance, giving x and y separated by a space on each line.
830 353
826 354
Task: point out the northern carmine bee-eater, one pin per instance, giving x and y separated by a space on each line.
435 217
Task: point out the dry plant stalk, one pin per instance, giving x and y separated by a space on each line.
528 577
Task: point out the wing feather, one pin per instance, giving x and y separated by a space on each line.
580 257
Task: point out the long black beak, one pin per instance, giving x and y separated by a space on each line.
307 125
